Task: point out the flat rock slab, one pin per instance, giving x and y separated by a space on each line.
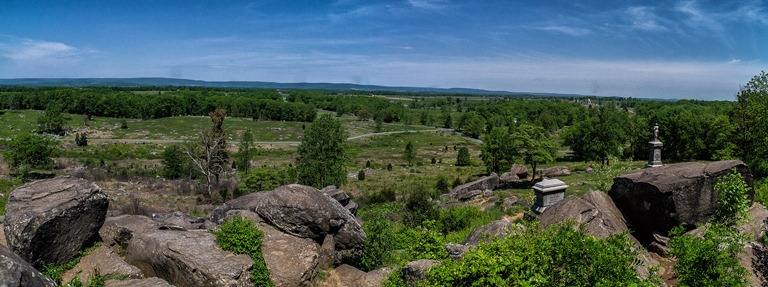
348 276
471 189
148 282
51 220
14 271
183 257
106 261
658 199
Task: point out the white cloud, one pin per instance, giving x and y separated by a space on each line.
699 19
645 18
29 51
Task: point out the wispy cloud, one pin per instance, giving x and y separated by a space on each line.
428 4
571 31
697 18
645 18
24 50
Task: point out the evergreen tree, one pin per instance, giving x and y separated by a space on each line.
410 154
246 151
463 159
174 162
322 153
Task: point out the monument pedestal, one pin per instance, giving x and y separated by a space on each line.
654 158
548 192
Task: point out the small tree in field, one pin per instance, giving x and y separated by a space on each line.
463 159
174 162
245 151
30 151
322 153
534 146
409 154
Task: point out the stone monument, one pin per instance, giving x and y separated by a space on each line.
548 192
654 149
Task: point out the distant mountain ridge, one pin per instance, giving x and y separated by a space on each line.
139 82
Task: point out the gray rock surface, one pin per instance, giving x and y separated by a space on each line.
468 190
348 276
500 228
178 219
519 170
336 193
2 234
456 251
416 271
292 261
51 220
148 282
302 211
106 261
14 271
184 258
554 171
600 220
658 199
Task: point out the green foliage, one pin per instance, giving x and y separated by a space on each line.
761 191
245 151
81 139
750 119
732 199
442 185
534 146
598 137
52 121
387 194
409 154
472 124
428 242
498 150
175 162
556 256
241 236
463 158
322 153
389 167
30 151
418 207
378 243
456 218
55 272
6 186
709 260
266 178
395 279
361 175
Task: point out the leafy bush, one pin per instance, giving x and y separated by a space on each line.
710 260
761 191
556 256
361 175
6 186
174 162
428 244
378 243
442 185
266 178
418 207
732 200
456 218
385 195
240 236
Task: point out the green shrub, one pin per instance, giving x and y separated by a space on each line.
418 207
761 191
556 256
240 236
442 185
732 200
361 175
377 245
266 178
456 218
429 243
385 195
463 159
709 260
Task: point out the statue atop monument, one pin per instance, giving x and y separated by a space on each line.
654 149
656 132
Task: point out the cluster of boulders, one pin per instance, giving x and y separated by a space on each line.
50 221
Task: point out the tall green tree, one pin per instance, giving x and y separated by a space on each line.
463 158
245 153
750 118
599 136
534 146
174 162
322 153
472 124
498 151
409 154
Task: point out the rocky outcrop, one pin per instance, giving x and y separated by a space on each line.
292 261
595 210
183 257
51 220
14 271
471 189
336 193
519 170
416 271
658 199
179 220
302 211
554 171
2 233
348 276
106 261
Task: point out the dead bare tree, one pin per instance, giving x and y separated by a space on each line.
209 154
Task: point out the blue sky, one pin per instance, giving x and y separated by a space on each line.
661 49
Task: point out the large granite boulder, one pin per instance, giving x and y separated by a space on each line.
182 257
292 261
468 190
595 210
51 220
496 229
14 272
554 171
148 282
416 271
302 211
658 199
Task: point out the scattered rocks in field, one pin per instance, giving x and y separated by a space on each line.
51 220
519 170
554 171
416 271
